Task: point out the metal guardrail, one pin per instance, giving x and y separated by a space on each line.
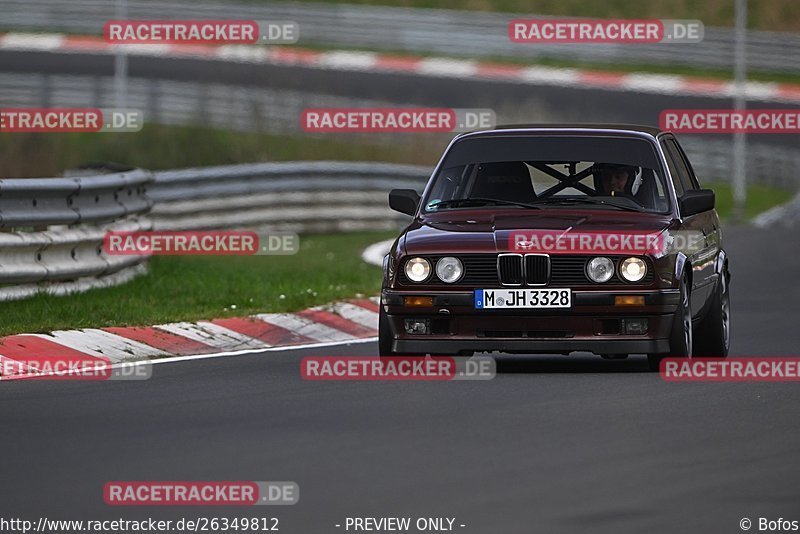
317 196
438 31
773 165
51 231
91 199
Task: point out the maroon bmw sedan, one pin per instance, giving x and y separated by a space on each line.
556 239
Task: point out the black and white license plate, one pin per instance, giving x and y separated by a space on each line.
522 298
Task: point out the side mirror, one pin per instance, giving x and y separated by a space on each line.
404 201
693 202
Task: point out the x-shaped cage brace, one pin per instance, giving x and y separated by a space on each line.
565 180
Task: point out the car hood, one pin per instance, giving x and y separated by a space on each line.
465 231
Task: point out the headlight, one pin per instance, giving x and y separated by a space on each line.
633 269
418 269
600 269
449 269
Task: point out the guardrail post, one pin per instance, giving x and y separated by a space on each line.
740 103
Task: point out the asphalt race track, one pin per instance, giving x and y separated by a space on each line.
552 444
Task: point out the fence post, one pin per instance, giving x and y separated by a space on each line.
740 103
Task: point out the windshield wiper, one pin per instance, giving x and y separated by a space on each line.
587 200
479 201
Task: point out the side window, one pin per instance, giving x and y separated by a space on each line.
692 183
447 186
673 169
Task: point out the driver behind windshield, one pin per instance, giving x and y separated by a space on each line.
616 180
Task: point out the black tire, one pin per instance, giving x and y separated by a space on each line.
713 334
384 335
681 335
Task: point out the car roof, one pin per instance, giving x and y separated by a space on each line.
579 128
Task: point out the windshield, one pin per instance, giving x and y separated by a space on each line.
622 179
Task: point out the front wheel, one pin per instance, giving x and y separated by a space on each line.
681 336
385 337
384 334
713 334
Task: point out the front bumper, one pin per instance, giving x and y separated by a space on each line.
592 324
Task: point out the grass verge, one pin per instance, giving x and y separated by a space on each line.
759 198
328 267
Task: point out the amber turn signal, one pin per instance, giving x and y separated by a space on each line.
418 301
629 300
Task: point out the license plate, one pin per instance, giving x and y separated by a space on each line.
522 298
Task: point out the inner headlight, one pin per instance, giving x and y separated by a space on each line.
600 269
449 269
633 269
418 269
